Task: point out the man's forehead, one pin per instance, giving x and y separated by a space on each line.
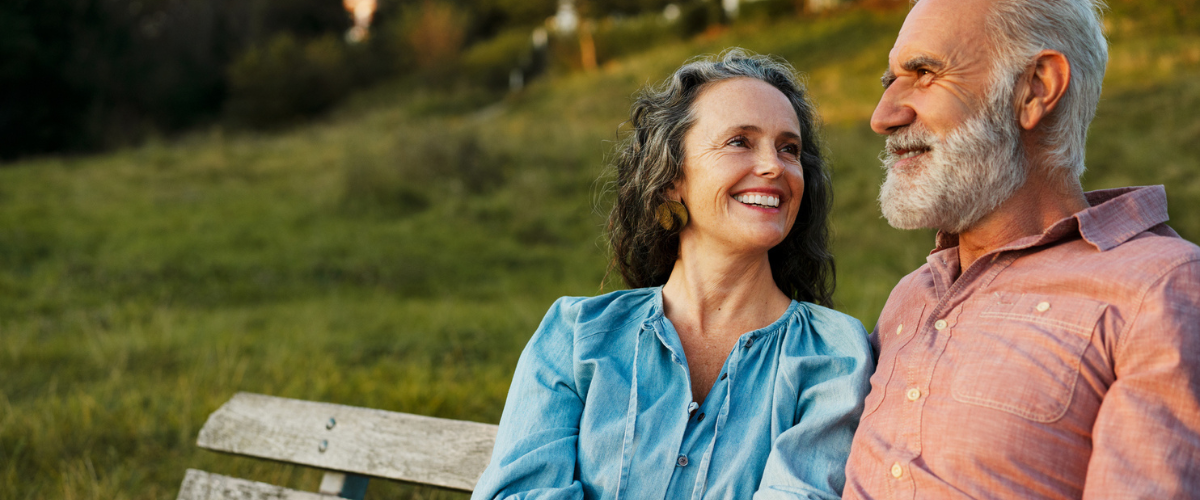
937 28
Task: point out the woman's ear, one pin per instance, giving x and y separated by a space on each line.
1043 87
673 192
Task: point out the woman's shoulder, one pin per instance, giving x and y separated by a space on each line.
836 330
607 312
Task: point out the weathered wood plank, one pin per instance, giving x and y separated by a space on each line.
414 448
200 485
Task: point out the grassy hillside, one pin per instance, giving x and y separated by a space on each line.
398 254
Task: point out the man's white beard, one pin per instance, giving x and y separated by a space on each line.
961 178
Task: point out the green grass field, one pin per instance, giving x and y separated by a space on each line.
398 253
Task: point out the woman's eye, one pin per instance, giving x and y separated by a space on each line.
739 142
791 149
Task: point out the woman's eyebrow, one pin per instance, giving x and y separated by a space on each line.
757 130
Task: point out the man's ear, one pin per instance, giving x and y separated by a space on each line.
1043 87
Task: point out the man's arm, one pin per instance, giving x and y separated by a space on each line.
1146 439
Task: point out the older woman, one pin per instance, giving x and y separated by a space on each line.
718 375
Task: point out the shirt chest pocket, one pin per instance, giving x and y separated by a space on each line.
1021 353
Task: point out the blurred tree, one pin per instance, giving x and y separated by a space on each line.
78 75
287 80
84 75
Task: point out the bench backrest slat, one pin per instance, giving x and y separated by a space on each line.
414 448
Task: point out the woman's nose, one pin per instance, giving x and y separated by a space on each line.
768 163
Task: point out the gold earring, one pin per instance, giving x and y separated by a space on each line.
670 213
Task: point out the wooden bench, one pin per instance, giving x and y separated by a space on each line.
351 444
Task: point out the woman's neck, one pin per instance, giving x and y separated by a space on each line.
719 295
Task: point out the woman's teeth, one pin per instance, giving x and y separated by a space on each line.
758 199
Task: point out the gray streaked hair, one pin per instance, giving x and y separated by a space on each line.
1020 29
650 159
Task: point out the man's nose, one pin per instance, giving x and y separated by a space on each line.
891 113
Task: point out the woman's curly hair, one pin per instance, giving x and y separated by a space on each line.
650 159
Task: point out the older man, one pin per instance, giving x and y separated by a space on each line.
1050 347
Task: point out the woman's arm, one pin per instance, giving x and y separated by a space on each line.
536 445
809 460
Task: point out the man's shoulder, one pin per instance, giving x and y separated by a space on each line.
1145 258
1161 246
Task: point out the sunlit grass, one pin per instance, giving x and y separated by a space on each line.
365 259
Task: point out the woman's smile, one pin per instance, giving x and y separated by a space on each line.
742 178
759 200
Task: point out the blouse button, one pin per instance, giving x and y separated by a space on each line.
940 325
897 471
682 460
1043 307
899 328
914 394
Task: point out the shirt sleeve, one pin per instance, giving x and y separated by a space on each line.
1146 439
808 461
535 452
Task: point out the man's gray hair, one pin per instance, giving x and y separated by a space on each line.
1022 28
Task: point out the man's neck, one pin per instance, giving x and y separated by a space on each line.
1041 202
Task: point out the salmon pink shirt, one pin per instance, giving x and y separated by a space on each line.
1063 365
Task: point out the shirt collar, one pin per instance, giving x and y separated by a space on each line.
1115 216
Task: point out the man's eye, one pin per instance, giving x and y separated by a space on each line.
739 142
921 73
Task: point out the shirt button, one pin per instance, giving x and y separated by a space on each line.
700 418
1043 307
682 461
914 394
899 328
897 471
692 407
723 375
940 325
749 342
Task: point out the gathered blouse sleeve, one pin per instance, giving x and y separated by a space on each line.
808 461
535 452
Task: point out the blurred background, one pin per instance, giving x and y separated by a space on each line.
373 202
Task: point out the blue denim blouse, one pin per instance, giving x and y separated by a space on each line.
601 407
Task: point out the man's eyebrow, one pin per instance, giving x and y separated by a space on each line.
913 64
919 62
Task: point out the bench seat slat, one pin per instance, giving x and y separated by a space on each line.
200 485
414 448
